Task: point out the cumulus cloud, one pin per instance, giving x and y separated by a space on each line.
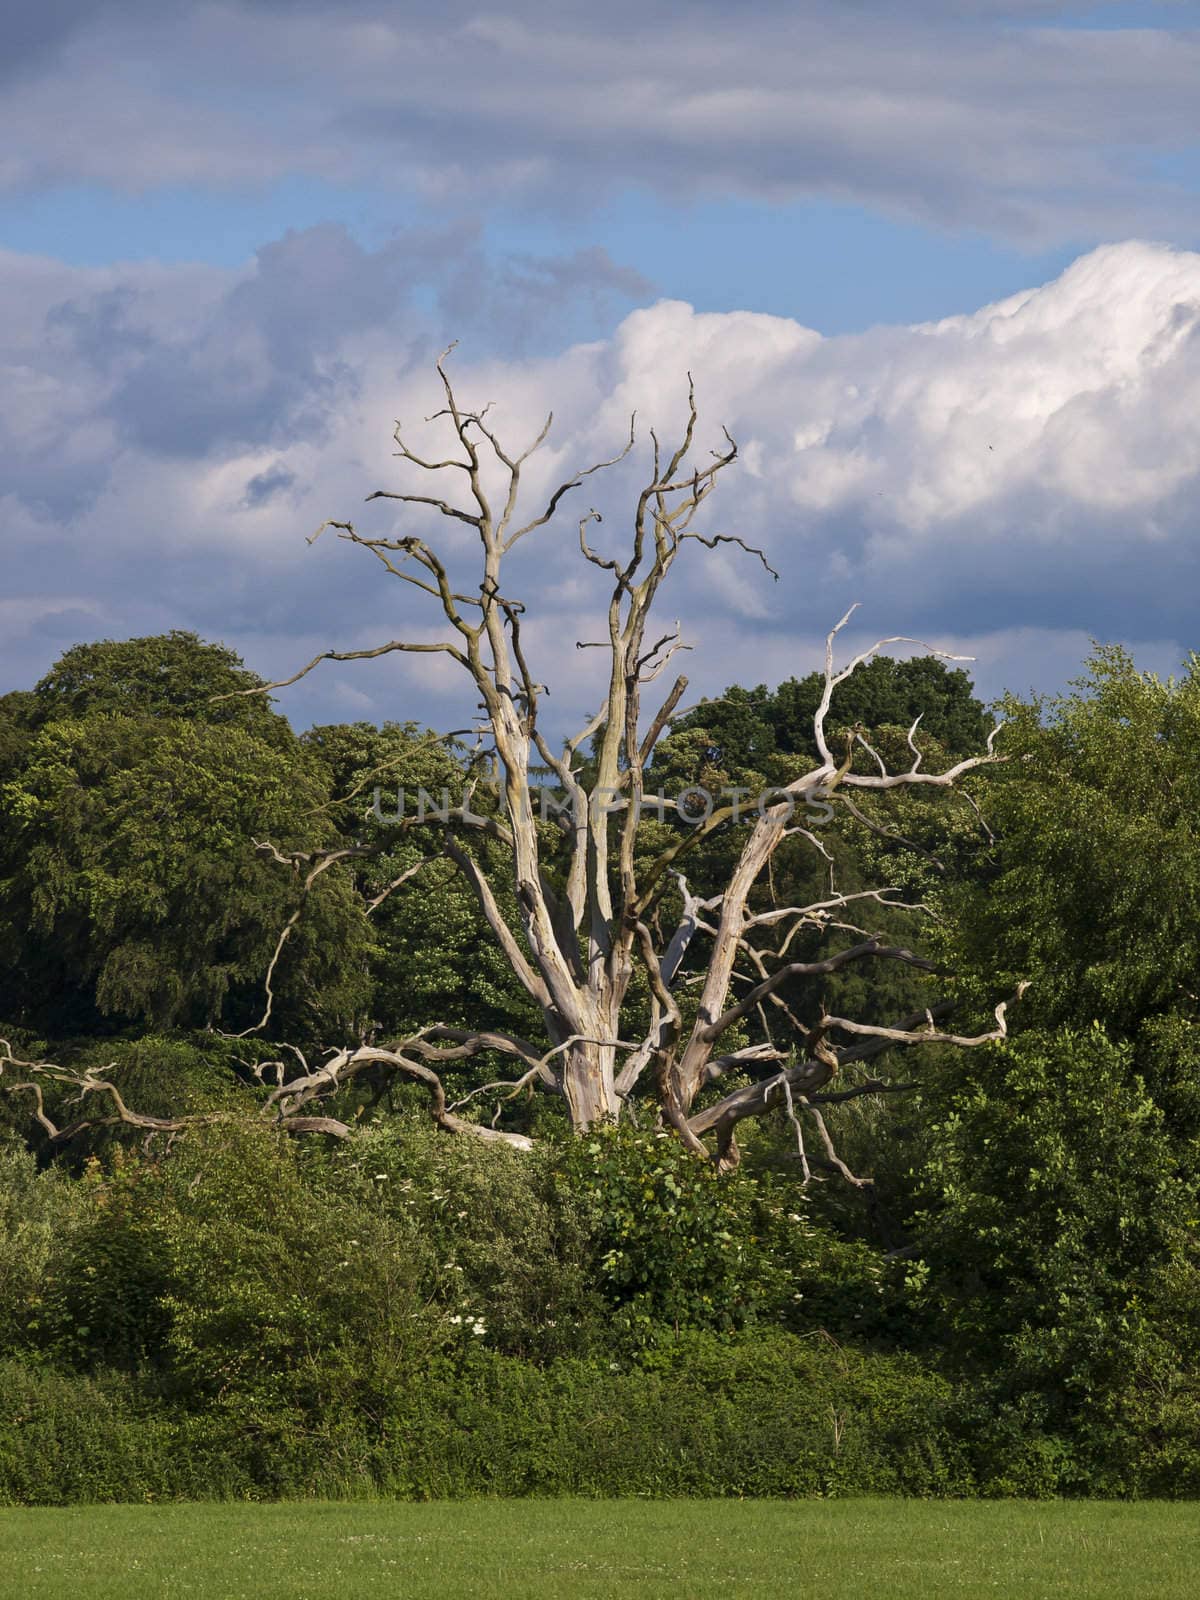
995 116
1002 484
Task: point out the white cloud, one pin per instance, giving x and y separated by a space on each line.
1022 477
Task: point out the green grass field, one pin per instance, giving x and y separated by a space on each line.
485 1550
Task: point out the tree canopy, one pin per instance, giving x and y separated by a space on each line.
130 886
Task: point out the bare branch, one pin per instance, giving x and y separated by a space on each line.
396 883
833 679
565 488
730 538
86 1081
869 948
813 1073
831 1155
662 718
442 506
349 1064
343 655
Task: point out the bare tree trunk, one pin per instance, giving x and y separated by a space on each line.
588 1085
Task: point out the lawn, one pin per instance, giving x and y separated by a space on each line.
485 1550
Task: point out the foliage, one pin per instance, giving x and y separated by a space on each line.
673 1244
776 1416
129 883
38 1217
755 739
886 692
238 1276
769 732
1092 891
433 955
506 1250
676 1245
1060 1175
171 675
1053 1219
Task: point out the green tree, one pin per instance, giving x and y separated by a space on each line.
130 885
768 731
1091 888
886 692
174 674
907 839
1057 1248
1057 1178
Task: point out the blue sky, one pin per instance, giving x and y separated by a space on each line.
233 236
812 259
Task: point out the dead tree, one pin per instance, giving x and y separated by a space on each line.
578 946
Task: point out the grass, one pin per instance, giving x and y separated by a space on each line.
689 1550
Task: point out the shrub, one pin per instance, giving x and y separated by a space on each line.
39 1212
673 1242
774 1415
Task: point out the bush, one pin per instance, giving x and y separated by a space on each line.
509 1248
415 1315
1054 1217
38 1215
673 1242
67 1439
708 1416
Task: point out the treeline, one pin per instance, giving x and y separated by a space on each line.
991 1289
